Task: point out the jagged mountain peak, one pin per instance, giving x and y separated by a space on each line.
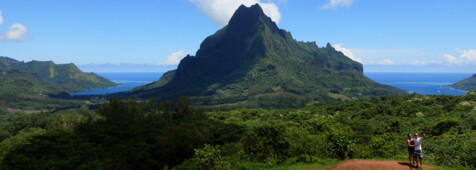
252 63
245 18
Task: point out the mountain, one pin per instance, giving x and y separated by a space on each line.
45 77
466 84
252 63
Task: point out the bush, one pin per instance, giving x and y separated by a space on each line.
445 125
452 150
302 144
266 143
208 157
342 145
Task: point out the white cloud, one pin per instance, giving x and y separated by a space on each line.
1 18
222 10
424 63
397 56
465 57
16 32
175 57
386 62
334 4
387 52
347 52
450 59
468 56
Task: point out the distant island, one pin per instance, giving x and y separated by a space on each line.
24 83
45 77
466 84
251 63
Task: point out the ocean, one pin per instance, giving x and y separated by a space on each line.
420 83
127 82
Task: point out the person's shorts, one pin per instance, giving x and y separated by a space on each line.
418 153
411 150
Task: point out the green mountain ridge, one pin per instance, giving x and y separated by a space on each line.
466 84
45 77
252 63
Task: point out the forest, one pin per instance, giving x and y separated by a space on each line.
130 134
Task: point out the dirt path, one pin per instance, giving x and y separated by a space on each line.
376 164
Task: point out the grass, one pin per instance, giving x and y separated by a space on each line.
319 164
447 168
325 164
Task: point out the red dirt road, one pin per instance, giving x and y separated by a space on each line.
375 164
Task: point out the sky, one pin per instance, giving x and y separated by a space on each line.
153 35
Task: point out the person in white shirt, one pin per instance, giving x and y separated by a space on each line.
418 153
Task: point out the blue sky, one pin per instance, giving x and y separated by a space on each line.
386 36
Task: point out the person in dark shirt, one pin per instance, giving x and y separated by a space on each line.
411 149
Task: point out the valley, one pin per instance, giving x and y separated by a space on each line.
252 96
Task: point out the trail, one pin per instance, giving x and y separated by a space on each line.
376 164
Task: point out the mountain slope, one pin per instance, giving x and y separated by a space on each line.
15 81
252 63
466 84
43 78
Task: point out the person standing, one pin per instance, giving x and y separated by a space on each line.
418 152
411 149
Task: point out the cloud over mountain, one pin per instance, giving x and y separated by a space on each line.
16 32
220 11
334 4
175 57
347 52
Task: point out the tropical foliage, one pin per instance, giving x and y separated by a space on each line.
132 134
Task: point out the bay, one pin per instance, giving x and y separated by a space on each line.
422 83
127 82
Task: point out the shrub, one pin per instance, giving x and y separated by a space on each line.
266 143
445 125
208 157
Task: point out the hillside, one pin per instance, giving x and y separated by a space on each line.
145 135
252 63
43 78
466 84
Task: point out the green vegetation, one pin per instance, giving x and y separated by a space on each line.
131 134
251 63
317 114
17 103
466 84
124 135
28 86
166 78
43 78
